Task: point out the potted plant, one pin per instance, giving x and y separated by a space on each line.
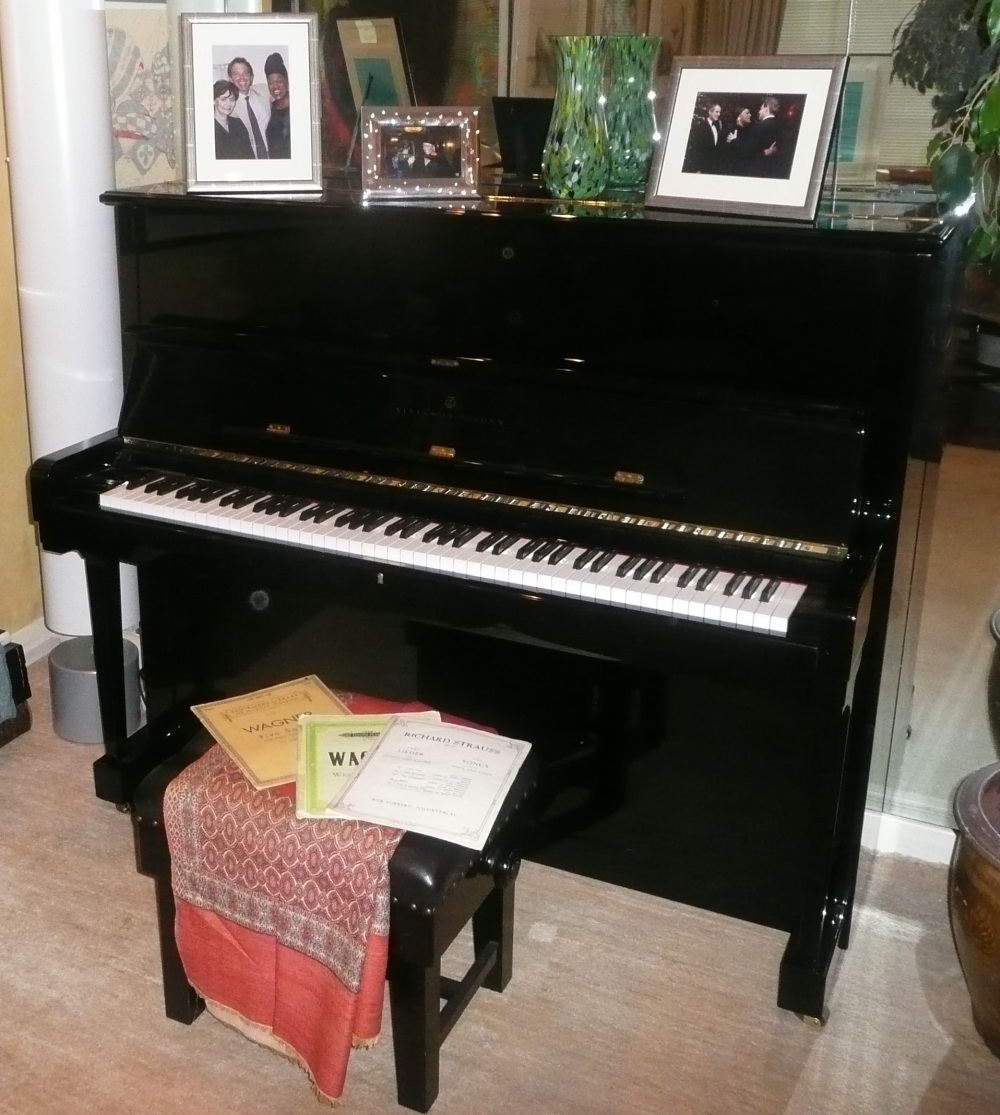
953 48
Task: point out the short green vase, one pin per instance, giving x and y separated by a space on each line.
575 157
630 110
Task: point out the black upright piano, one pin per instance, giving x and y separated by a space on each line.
631 485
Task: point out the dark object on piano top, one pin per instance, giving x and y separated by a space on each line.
521 126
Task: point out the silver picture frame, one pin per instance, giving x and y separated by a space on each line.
775 119
410 152
216 161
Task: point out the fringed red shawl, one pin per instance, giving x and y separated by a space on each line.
282 924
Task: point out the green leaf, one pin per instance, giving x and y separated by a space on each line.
951 174
981 243
935 146
993 21
987 118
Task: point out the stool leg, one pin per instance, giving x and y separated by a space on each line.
181 1001
415 1005
494 921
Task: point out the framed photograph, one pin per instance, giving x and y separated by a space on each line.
375 62
747 136
859 123
420 152
251 105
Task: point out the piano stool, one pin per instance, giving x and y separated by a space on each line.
436 888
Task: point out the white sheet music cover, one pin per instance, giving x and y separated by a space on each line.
443 780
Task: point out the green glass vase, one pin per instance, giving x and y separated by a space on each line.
575 156
630 111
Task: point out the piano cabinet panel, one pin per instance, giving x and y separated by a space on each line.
705 785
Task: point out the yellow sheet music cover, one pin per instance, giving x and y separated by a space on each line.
259 730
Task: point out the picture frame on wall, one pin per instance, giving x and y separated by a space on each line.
251 102
747 136
420 152
375 62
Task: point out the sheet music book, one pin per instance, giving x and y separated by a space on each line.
331 750
443 780
260 730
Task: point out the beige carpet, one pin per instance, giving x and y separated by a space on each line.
619 1003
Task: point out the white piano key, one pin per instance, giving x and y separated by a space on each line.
336 535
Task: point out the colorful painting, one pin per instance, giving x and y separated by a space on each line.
142 110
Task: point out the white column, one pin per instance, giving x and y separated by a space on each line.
57 100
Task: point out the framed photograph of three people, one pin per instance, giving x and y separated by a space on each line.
747 135
251 108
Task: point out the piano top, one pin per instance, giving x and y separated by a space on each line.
898 212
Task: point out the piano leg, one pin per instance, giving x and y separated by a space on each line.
104 590
840 798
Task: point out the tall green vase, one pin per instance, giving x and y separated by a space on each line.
630 114
575 156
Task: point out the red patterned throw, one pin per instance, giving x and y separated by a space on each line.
282 923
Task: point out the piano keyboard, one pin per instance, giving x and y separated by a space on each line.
551 566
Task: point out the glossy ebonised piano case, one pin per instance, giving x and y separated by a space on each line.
751 397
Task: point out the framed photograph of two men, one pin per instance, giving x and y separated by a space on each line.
251 108
747 136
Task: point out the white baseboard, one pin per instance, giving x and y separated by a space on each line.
892 834
882 832
36 640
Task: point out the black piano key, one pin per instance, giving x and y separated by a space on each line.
561 552
628 565
546 548
661 571
435 531
450 533
347 518
322 512
491 539
375 521
245 497
643 568
229 499
395 527
770 589
586 557
464 536
688 575
505 544
214 493
167 484
413 528
602 560
290 506
142 479
751 586
707 578
733 583
529 548
192 488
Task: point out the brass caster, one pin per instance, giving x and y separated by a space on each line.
813 1021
